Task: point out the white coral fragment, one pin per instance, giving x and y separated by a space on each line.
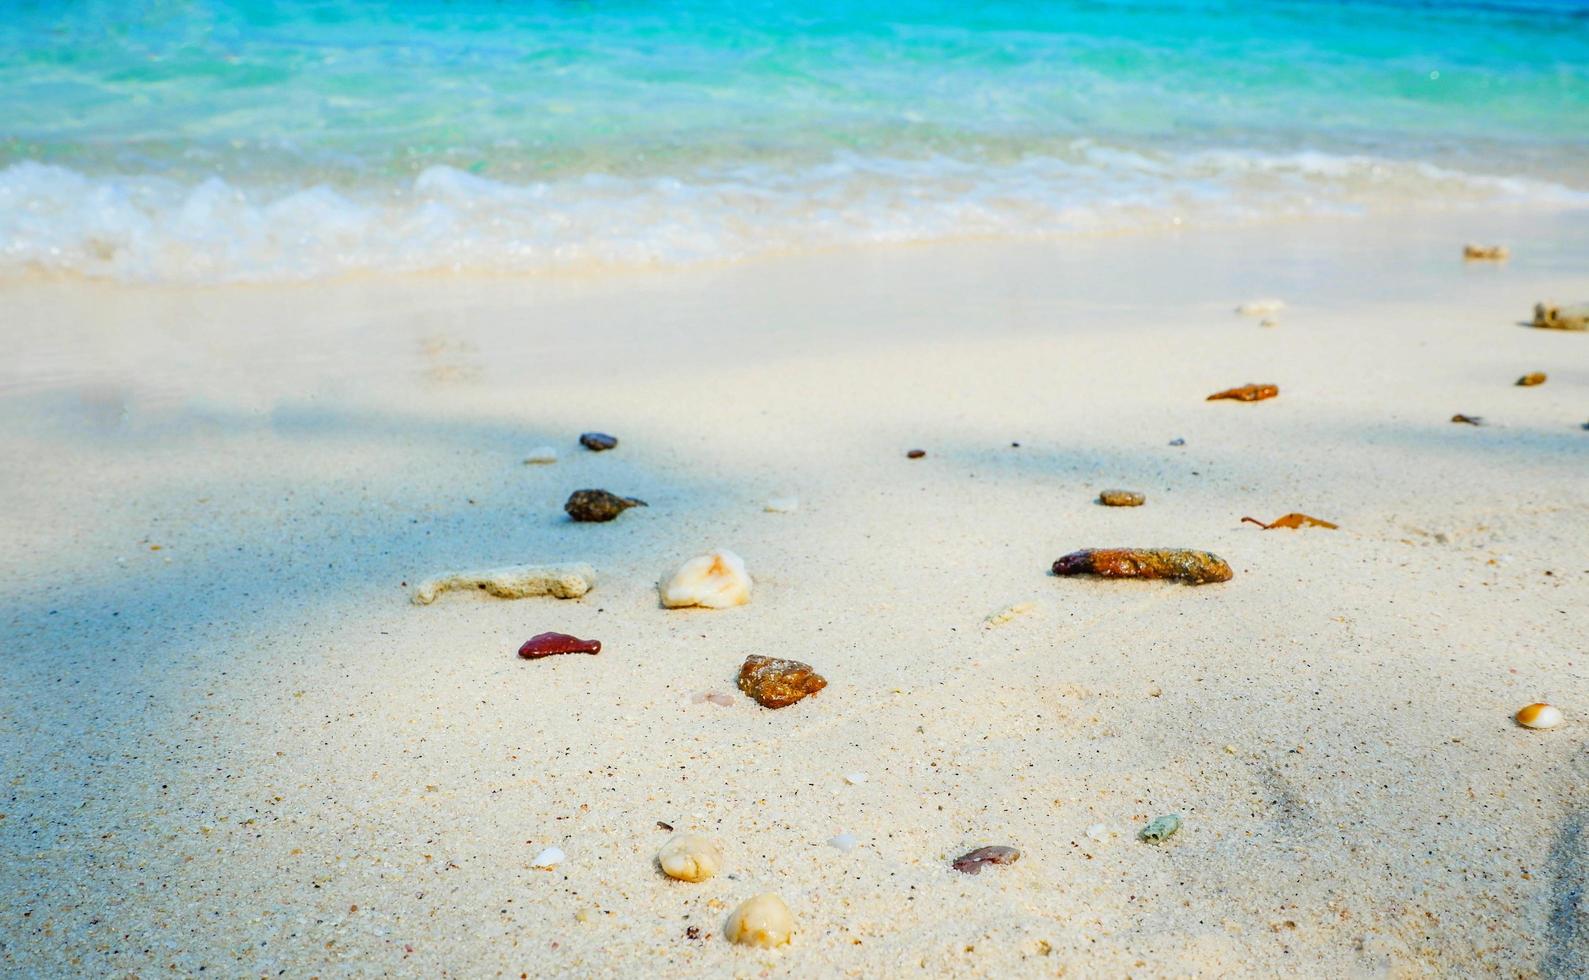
512 582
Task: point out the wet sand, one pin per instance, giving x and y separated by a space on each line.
231 742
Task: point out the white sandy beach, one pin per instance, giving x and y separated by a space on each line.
230 742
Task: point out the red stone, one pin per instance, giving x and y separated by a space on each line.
551 644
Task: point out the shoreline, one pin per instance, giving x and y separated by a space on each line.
224 746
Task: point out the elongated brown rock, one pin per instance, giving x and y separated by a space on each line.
1182 564
1246 393
1122 498
598 505
1531 379
972 862
776 683
552 644
598 442
1485 253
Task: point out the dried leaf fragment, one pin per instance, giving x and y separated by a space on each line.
972 862
1182 564
1548 317
1485 253
1532 379
776 683
1246 393
1292 520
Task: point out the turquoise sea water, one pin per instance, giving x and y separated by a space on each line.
207 141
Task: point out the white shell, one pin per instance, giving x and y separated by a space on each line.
844 842
541 454
690 857
716 581
1540 716
783 504
762 921
1098 831
855 778
1261 307
549 858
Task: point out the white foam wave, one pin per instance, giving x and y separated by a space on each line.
150 229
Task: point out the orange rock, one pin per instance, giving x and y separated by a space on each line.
776 683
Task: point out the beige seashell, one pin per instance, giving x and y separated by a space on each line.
1261 307
716 581
782 504
1540 715
690 857
762 921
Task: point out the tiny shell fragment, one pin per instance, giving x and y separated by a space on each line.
1246 393
762 921
1547 317
1261 307
551 644
1186 565
1540 715
782 505
1530 380
549 858
1008 613
776 683
1290 521
972 862
1161 829
597 441
1122 498
845 842
690 857
717 580
512 582
541 455
1485 253
1467 419
598 506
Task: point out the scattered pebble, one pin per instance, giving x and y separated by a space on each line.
717 581
598 506
1292 520
1467 419
1161 829
1261 307
1530 380
1246 393
916 454
598 442
1485 253
776 683
1548 317
972 862
855 778
690 857
549 858
1177 441
541 455
763 921
1122 498
782 505
1008 613
1098 831
1540 715
1195 567
552 644
845 842
512 582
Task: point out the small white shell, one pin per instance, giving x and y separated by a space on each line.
845 842
1261 307
855 778
690 857
716 581
549 858
762 921
786 504
541 454
1540 715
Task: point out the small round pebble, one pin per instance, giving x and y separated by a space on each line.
763 921
598 442
1540 715
690 857
916 454
1122 498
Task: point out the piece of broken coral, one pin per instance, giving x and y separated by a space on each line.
512 582
1292 520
